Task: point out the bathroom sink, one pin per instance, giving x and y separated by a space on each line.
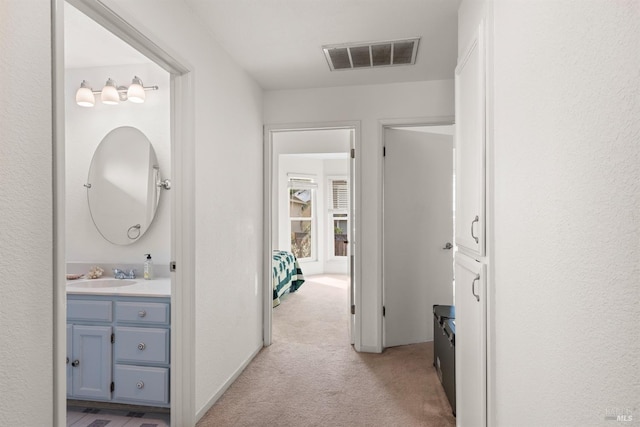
101 283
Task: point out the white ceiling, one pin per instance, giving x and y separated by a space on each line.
279 42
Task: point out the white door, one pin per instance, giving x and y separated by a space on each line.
471 371
418 229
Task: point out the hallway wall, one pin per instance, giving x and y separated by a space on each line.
26 207
369 105
567 198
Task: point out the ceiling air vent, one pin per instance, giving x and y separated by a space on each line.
352 56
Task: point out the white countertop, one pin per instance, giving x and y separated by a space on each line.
160 287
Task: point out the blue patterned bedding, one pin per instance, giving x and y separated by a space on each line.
287 275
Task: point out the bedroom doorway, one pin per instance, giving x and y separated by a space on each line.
310 233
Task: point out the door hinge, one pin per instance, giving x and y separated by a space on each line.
113 386
353 309
113 338
384 151
172 266
384 311
353 153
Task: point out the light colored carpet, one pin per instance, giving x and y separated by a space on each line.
311 376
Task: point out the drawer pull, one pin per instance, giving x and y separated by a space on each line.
142 313
140 385
142 346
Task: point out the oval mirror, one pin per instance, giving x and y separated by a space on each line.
124 186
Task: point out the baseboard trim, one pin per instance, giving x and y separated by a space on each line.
227 384
369 349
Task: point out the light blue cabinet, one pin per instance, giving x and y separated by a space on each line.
91 362
118 349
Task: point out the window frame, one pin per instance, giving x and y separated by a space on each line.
312 185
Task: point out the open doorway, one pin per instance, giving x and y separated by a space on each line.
91 325
310 223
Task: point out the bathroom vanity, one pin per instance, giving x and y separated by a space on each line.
118 341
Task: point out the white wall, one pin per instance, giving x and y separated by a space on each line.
26 204
367 104
566 198
85 129
228 153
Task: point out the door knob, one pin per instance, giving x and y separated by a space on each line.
448 246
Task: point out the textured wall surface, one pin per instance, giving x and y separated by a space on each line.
26 247
567 212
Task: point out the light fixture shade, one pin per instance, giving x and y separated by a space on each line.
135 93
109 93
84 95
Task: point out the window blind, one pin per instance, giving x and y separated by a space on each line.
340 191
302 183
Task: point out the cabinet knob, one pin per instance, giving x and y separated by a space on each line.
67 360
142 346
75 363
140 385
142 313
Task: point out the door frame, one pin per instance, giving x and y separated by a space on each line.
355 215
382 126
182 374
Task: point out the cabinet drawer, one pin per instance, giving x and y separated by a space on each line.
95 311
142 345
141 384
143 312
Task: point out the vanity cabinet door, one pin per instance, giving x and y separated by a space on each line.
69 359
91 362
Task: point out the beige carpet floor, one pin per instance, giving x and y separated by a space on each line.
311 376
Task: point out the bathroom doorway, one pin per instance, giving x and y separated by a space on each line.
102 50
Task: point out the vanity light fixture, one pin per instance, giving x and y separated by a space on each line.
84 95
111 93
135 93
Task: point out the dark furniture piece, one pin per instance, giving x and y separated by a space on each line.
444 349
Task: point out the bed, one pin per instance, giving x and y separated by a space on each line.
287 275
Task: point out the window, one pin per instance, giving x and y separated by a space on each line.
339 217
301 217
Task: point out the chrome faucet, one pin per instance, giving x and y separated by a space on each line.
121 274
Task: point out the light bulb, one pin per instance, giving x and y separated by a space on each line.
109 93
135 93
84 95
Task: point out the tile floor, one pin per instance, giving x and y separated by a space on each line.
94 417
